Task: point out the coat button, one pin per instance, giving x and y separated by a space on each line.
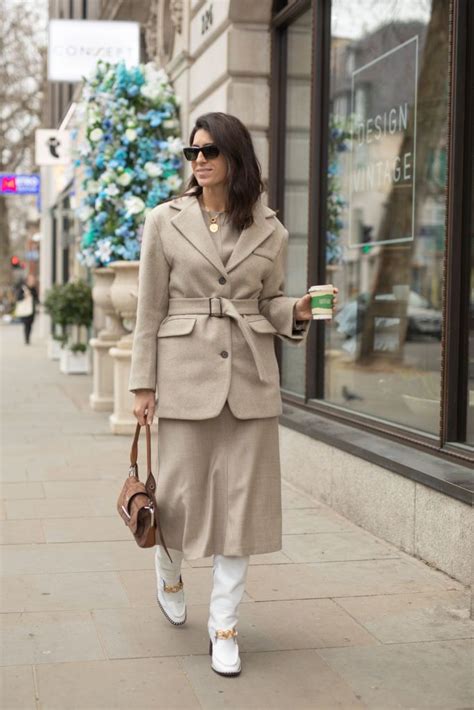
224 353
222 280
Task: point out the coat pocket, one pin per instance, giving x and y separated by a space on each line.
176 326
262 325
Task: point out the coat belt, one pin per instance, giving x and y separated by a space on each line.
217 306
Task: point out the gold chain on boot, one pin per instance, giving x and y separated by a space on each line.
227 634
171 588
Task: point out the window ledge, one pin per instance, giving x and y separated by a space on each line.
452 479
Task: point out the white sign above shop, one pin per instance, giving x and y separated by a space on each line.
52 147
75 46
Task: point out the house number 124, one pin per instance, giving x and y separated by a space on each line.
206 20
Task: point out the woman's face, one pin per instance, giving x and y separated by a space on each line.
208 173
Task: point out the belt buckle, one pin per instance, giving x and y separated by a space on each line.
216 315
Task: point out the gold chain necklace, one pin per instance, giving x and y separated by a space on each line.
213 221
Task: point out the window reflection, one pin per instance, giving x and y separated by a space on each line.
386 207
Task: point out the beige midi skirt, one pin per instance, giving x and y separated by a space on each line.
219 485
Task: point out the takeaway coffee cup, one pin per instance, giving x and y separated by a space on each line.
322 298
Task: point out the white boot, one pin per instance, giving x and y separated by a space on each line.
227 592
170 594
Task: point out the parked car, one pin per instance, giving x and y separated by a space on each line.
423 318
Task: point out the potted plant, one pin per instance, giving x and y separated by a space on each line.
53 306
76 314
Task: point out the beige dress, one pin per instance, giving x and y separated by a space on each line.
219 460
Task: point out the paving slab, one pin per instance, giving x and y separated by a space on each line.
145 683
405 618
74 557
313 520
302 624
341 579
17 688
278 680
48 637
21 490
56 592
55 508
19 532
145 632
410 675
336 546
99 529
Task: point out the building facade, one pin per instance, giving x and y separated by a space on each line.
362 118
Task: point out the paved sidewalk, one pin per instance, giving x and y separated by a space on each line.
337 619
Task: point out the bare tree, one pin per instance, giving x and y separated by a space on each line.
22 83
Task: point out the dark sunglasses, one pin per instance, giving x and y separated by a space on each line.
209 152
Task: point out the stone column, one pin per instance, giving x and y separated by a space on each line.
102 396
124 294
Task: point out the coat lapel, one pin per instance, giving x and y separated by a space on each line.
190 223
251 237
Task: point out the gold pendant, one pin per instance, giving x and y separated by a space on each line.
214 227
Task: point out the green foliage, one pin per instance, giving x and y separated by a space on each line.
70 305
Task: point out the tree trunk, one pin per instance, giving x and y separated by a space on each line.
6 277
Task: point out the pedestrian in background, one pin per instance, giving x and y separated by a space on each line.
210 301
26 301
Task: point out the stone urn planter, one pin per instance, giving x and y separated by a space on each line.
124 294
74 363
102 396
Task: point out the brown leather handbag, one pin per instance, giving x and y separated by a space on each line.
136 503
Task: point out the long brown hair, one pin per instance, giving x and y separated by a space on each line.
245 175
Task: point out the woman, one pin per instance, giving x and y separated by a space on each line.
27 296
210 300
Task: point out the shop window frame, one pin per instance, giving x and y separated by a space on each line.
453 393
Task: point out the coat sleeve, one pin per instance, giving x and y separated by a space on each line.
152 307
278 308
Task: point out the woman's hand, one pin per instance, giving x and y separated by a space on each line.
144 406
303 306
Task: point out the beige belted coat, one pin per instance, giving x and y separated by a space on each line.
205 331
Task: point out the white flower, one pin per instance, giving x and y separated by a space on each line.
98 204
170 123
153 169
108 176
92 186
174 182
134 205
85 213
124 179
104 249
96 134
112 190
131 134
153 91
175 146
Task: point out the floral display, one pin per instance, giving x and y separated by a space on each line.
339 135
130 158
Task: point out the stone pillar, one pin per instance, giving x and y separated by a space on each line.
102 396
124 293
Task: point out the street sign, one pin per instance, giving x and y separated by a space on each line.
14 184
53 147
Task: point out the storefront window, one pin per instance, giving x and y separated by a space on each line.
296 181
387 160
470 380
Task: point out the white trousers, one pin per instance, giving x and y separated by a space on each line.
229 576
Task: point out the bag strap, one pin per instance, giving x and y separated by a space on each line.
150 484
